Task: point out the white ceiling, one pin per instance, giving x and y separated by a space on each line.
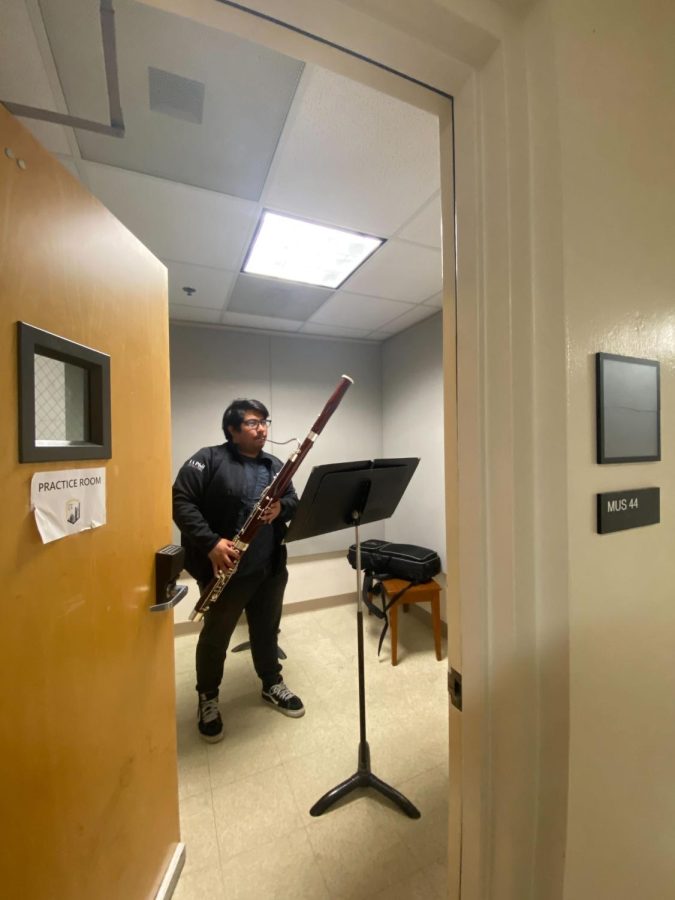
218 129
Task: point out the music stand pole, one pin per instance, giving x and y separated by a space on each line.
363 777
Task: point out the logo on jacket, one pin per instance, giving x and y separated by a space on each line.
196 465
72 511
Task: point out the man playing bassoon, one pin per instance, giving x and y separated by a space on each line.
214 492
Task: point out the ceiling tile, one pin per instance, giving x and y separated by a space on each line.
242 320
22 74
349 156
354 157
355 311
333 330
416 314
23 77
279 299
247 92
193 314
175 221
399 271
425 227
211 286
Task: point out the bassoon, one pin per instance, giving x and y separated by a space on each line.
273 492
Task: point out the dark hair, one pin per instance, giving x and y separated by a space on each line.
234 414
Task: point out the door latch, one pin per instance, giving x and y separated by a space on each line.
168 566
455 688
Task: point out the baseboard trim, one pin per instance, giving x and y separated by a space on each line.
316 557
172 874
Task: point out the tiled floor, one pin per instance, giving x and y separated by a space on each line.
245 801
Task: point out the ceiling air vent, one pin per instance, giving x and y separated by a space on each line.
176 96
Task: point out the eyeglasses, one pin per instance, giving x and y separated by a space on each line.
256 423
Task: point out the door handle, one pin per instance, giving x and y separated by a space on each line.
168 566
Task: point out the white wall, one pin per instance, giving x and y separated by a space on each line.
412 425
293 377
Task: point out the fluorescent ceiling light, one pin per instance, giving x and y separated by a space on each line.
297 250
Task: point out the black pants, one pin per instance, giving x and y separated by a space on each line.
261 594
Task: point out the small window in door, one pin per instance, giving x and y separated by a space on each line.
64 398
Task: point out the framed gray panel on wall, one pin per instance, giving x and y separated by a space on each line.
64 398
628 409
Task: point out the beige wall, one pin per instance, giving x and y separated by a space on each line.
616 88
571 159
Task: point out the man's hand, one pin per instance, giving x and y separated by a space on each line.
223 556
272 512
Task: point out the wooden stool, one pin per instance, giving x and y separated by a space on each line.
429 592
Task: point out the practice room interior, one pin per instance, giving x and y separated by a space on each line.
503 170
203 159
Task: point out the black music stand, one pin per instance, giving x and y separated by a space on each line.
338 496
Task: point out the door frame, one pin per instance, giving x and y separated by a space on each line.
486 195
331 53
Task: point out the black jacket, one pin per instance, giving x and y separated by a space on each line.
207 499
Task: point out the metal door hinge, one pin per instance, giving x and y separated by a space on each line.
455 688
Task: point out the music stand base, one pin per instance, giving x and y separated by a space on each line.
364 778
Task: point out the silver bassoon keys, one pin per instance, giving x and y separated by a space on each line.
275 491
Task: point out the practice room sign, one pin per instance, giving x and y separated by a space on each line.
619 510
68 501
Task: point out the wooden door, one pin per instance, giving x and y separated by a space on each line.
89 796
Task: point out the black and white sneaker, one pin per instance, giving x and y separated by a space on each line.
209 721
284 700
